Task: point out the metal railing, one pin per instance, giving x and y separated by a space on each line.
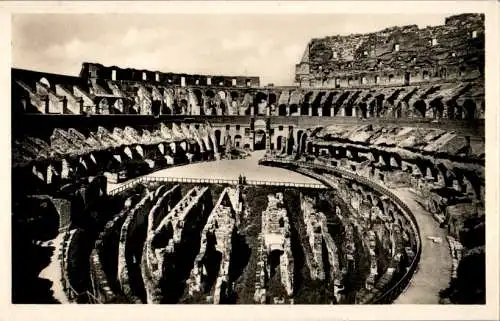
148 179
390 294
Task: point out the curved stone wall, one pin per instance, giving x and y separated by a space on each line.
397 55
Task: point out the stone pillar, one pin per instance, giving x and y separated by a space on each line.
332 111
354 112
252 110
342 111
47 105
309 111
64 105
320 112
299 110
287 110
268 141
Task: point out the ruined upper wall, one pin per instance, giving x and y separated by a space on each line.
396 55
94 70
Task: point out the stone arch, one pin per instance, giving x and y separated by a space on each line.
339 102
103 106
199 96
184 145
183 104
259 100
210 93
260 139
316 103
44 81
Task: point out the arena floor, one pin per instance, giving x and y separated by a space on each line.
230 169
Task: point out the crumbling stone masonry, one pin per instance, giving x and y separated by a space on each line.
276 241
166 200
176 239
216 241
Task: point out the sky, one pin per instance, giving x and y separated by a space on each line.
267 46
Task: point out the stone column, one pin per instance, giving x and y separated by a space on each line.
299 110
287 110
332 111
353 111
309 111
47 105
342 111
320 112
268 140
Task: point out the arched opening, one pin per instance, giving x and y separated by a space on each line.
425 75
421 107
316 104
274 262
390 78
45 82
438 107
348 110
260 103
237 141
279 143
363 109
470 109
234 95
407 78
282 110
199 97
451 110
294 108
339 102
372 108
218 134
103 106
210 94
119 106
272 99
183 106
306 105
259 140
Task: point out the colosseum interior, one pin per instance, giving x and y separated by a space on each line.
386 128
